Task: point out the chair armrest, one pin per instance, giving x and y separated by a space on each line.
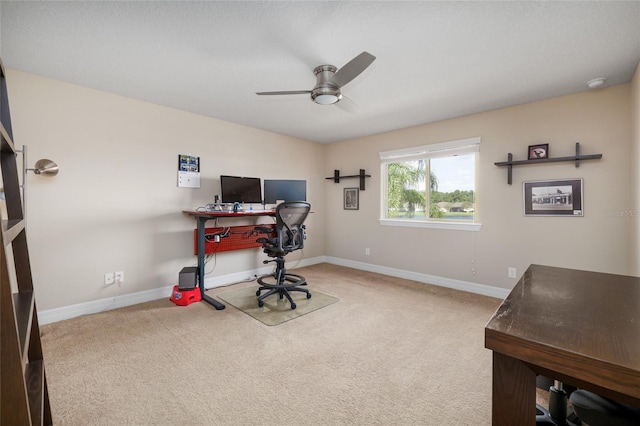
263 229
264 241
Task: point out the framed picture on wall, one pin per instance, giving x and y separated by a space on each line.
538 152
553 197
351 201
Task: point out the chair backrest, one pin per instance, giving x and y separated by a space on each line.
290 217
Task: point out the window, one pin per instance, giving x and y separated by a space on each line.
431 186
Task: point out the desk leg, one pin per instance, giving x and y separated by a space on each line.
201 255
514 392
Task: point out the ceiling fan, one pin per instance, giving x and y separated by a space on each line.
329 80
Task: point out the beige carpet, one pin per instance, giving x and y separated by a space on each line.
275 310
391 352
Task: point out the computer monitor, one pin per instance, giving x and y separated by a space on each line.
286 190
236 189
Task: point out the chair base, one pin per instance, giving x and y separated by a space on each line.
544 417
281 283
559 413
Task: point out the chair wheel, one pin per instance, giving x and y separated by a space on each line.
308 295
258 293
293 306
260 303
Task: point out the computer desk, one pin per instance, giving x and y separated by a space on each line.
579 327
201 218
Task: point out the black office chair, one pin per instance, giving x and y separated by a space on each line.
288 236
596 410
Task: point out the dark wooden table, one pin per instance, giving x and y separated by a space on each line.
579 327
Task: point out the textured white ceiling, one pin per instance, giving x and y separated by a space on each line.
435 60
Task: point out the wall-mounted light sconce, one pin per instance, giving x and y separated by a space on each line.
44 167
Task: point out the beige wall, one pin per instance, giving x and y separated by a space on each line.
635 168
115 205
599 120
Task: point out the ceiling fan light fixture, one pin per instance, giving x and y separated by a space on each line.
326 95
328 99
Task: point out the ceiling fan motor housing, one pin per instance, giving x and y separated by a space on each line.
325 93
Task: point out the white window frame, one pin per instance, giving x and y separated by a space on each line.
436 150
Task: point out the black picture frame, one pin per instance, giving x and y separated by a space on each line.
351 198
563 197
538 152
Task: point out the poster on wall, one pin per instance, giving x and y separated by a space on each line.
188 171
351 201
553 197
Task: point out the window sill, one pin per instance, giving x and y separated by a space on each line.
453 226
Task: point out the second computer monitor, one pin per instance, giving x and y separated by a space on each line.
284 190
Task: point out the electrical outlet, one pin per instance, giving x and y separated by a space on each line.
511 272
119 277
109 278
367 252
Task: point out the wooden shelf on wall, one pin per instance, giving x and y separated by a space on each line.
510 163
336 177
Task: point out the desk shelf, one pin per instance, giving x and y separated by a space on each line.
510 163
229 238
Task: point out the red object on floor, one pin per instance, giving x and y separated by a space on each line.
185 297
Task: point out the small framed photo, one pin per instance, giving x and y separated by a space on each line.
538 152
553 197
351 201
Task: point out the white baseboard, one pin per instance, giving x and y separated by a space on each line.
100 305
95 306
470 287
66 312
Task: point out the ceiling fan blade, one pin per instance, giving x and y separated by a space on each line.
352 69
288 92
346 104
